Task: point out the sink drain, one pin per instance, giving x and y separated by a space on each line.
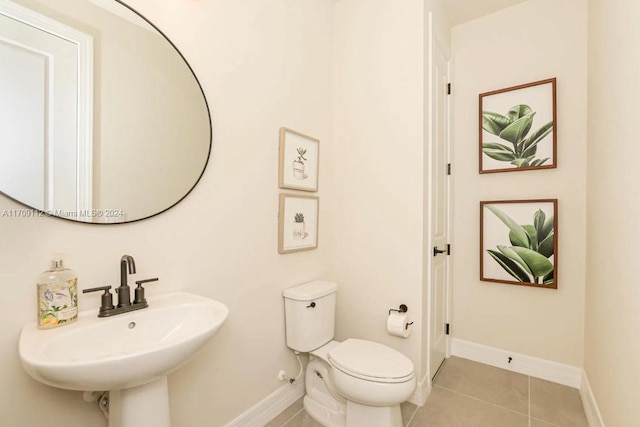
132 325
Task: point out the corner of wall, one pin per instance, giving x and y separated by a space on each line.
589 402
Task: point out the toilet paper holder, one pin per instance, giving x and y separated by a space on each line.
402 309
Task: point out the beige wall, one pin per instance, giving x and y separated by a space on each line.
263 64
532 41
375 171
612 317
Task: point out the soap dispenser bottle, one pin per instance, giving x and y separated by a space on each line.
57 296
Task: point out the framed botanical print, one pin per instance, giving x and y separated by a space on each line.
298 168
297 223
518 128
519 242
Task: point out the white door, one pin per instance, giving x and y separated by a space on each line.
440 208
38 116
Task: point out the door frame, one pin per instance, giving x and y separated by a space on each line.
84 142
447 52
435 40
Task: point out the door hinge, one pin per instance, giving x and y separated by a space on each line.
448 249
448 168
446 328
448 88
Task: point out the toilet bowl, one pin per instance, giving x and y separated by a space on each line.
346 388
354 383
371 373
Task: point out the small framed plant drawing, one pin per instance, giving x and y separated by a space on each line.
518 128
298 168
297 223
519 242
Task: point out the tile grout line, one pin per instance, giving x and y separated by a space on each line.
290 419
482 401
546 422
413 415
537 419
529 396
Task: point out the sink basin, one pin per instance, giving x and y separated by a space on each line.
123 351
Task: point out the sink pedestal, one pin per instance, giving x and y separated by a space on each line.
142 406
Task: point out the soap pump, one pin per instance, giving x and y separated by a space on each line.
57 290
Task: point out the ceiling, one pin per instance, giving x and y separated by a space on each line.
459 11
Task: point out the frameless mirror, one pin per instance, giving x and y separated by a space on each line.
101 118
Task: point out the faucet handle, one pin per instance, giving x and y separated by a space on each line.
139 291
106 301
100 288
140 282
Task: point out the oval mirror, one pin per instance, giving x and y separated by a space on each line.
101 118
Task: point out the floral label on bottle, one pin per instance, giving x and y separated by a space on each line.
58 304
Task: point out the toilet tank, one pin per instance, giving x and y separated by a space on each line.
310 311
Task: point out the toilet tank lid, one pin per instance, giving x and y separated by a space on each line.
310 290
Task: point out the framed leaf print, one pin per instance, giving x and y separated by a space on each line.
519 242
518 128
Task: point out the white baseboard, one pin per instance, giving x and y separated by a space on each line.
540 368
423 388
269 407
589 403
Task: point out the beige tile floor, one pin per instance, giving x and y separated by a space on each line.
470 394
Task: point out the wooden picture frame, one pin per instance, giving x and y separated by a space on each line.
518 128
519 242
299 161
297 223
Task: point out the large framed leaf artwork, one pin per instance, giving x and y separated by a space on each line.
518 128
519 242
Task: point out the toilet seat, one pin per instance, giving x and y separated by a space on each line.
371 361
323 352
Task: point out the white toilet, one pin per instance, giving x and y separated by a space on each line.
354 383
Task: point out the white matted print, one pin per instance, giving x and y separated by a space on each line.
519 242
298 161
297 223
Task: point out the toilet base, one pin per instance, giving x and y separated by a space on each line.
373 416
357 415
319 402
328 417
325 405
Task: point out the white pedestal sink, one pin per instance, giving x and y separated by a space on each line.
128 354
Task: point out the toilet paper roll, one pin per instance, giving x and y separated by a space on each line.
398 325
